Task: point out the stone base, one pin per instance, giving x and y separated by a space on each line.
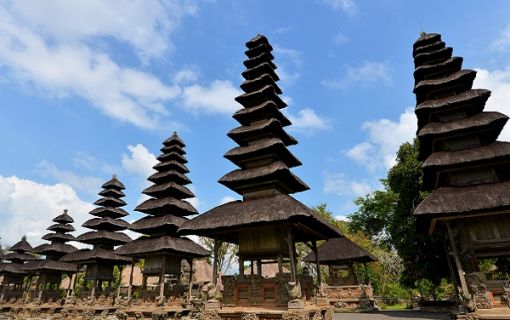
296 304
322 302
212 305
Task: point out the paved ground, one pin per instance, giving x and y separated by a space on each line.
390 315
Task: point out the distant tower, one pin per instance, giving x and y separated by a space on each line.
12 271
101 259
267 222
465 169
166 210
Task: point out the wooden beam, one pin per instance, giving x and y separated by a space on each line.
456 258
217 244
162 279
190 282
290 243
317 266
130 286
121 269
241 266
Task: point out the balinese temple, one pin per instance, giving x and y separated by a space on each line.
166 210
343 283
466 170
105 236
50 270
12 272
267 222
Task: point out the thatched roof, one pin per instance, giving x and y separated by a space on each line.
280 209
170 156
269 147
270 128
261 81
64 218
150 225
106 223
171 165
21 246
170 189
339 251
433 46
110 202
274 175
256 72
103 237
258 40
488 153
464 77
424 40
49 265
451 201
164 206
253 52
17 256
109 212
435 56
57 236
174 140
144 246
11 269
265 110
261 58
171 175
95 255
113 193
60 227
267 93
114 183
58 248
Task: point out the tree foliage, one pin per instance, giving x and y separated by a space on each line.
387 216
227 254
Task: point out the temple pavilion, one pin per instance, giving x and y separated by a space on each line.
12 272
267 222
50 270
101 259
465 168
166 210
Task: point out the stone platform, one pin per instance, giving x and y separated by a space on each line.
250 313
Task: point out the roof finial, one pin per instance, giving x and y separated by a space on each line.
114 176
65 211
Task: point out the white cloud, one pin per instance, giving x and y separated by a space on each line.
498 81
502 43
139 161
27 208
384 138
338 184
369 73
227 199
84 160
216 98
340 38
289 61
307 121
186 75
87 184
145 25
347 6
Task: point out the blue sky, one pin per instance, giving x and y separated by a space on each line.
89 89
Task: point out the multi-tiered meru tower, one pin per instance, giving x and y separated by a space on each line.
12 271
166 210
465 168
268 222
101 260
51 269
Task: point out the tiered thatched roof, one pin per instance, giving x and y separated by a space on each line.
264 178
465 168
166 208
340 251
16 258
56 249
106 228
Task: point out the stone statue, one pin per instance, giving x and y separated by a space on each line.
294 290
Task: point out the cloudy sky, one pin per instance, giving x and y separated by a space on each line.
91 88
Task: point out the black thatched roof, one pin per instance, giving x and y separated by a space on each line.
464 166
21 246
54 248
172 189
61 227
109 212
265 110
59 237
280 209
145 246
64 218
113 183
264 128
95 255
103 237
164 206
12 269
157 224
49 266
18 257
338 251
106 223
452 201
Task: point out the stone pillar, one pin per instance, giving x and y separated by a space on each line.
130 286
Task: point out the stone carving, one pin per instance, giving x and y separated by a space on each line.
505 297
249 316
256 290
209 315
295 302
229 285
158 315
480 296
295 315
121 315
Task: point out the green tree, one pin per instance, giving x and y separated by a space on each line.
227 253
387 216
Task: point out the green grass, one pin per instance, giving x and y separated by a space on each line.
398 306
